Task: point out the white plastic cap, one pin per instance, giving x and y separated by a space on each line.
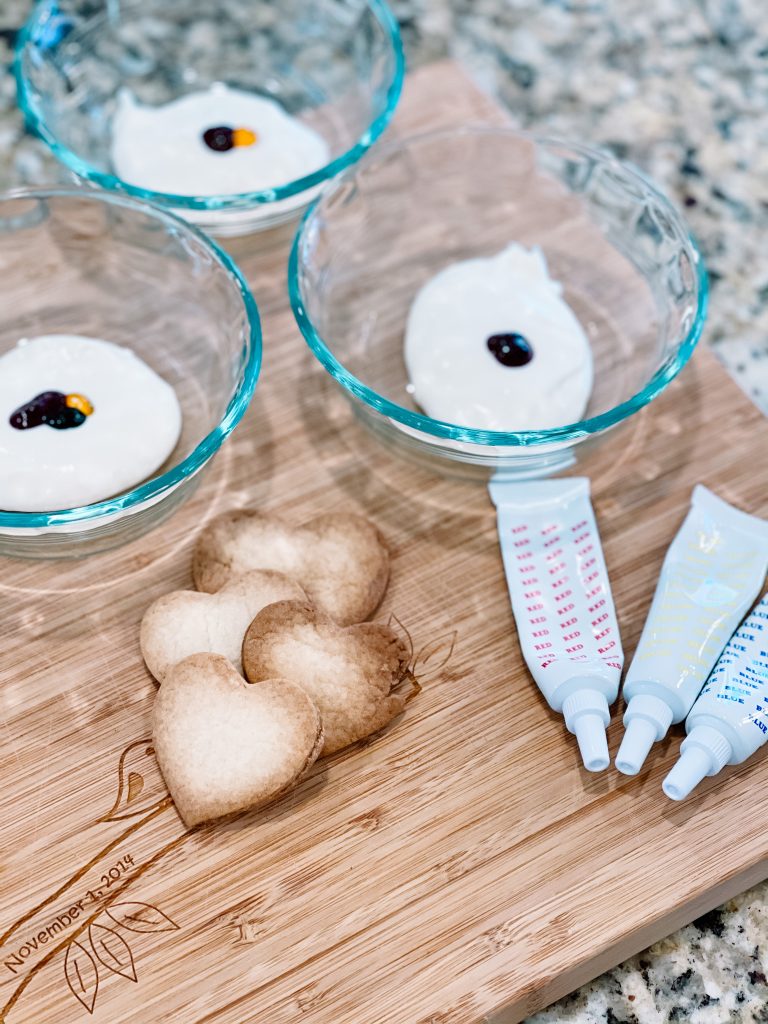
646 721
704 752
586 716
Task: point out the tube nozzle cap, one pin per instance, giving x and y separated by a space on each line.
693 766
704 752
586 716
646 721
593 742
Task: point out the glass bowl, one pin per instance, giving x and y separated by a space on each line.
79 261
629 269
336 65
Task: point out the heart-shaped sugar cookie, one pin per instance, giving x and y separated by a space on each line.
349 673
186 622
340 560
224 746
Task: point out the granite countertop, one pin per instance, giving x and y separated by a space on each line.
680 87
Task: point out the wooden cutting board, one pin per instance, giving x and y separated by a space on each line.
461 866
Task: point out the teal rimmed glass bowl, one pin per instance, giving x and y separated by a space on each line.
629 268
81 261
336 64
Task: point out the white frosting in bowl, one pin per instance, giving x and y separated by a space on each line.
454 375
134 426
162 148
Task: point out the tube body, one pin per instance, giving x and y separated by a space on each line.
561 599
712 573
729 720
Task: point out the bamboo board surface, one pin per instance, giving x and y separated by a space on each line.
461 866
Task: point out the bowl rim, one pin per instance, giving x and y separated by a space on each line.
444 429
238 401
48 9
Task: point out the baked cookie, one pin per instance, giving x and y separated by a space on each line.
186 622
340 560
349 673
224 746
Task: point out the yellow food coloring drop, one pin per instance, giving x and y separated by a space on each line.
79 402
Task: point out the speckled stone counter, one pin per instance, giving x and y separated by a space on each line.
680 87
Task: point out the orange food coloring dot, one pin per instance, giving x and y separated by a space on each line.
244 137
79 402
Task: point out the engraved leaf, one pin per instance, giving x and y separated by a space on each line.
135 786
112 951
436 654
140 786
82 974
141 917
